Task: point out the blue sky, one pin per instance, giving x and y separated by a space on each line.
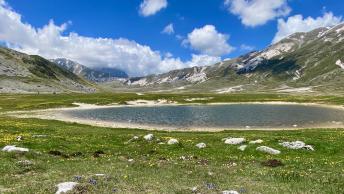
125 19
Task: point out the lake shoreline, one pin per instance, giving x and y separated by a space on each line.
59 114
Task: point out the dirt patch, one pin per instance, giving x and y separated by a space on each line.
272 163
98 153
58 153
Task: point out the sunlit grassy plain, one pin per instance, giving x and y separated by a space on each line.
158 168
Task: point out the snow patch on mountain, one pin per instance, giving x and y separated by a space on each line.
340 63
230 89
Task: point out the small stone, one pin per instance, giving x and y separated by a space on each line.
172 141
194 189
230 192
258 141
268 150
131 160
309 147
99 174
19 138
93 181
201 145
65 187
25 163
234 141
77 178
211 186
242 147
149 137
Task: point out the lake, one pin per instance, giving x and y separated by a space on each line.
218 116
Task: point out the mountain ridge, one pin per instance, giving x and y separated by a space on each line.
22 73
303 59
94 75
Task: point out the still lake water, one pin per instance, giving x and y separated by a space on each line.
218 116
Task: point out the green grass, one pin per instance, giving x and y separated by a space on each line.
11 102
158 168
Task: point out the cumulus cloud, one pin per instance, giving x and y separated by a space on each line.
169 29
51 41
257 12
299 24
208 41
151 7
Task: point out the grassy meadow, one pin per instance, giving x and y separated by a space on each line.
65 152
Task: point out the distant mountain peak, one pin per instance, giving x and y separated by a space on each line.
96 75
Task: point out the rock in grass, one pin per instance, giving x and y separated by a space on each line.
242 147
172 141
295 145
25 163
194 189
234 141
230 192
65 187
19 138
149 137
201 145
13 148
256 141
268 150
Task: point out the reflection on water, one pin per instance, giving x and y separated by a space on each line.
230 116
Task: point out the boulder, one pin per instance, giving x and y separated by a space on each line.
256 141
149 137
268 150
295 145
172 141
201 145
234 141
65 187
13 148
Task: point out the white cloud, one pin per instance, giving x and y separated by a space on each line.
50 42
151 7
208 41
257 12
169 29
297 23
245 47
203 60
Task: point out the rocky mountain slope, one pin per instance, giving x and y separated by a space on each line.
22 73
302 62
94 75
